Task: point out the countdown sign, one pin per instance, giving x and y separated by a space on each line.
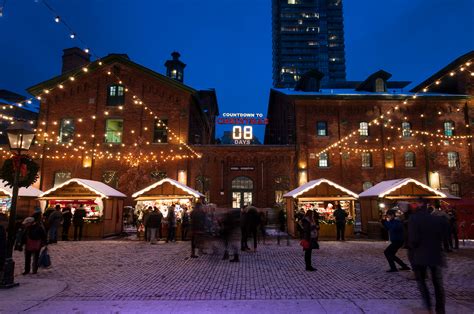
242 131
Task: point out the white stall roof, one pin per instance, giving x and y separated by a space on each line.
22 192
179 185
386 187
311 184
100 188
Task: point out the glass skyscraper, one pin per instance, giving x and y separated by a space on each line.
307 35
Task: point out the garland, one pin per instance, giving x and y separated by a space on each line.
27 167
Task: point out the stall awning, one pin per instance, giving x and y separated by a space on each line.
402 188
323 188
161 189
81 189
6 191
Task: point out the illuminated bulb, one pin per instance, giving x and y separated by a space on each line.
29 101
57 19
71 78
120 107
468 63
108 73
100 62
472 73
425 90
60 86
451 74
86 50
46 91
438 82
85 69
72 36
38 97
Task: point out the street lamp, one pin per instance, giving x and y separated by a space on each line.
20 137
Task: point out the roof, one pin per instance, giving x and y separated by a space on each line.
109 59
177 184
386 187
97 187
311 184
367 85
453 65
22 192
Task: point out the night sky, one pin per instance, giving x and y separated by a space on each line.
226 44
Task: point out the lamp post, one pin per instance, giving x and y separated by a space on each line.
20 137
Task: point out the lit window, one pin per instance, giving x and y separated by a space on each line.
363 129
449 128
366 160
113 130
389 161
453 160
293 1
60 177
322 128
409 160
115 95
312 43
406 129
66 130
379 85
160 132
323 160
367 185
455 189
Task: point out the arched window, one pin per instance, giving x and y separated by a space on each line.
379 85
323 160
115 95
448 128
364 129
367 185
406 129
242 183
409 160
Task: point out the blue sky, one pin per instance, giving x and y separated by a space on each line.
227 43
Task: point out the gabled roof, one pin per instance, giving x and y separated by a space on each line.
22 192
314 183
384 188
369 83
99 188
177 184
453 65
94 66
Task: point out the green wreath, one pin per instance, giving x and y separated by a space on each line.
28 170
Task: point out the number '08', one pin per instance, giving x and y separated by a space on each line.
237 133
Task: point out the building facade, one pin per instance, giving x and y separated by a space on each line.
307 35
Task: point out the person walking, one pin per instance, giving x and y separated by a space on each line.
340 217
263 225
243 230
281 224
425 237
54 221
310 235
198 218
230 224
171 225
78 222
67 219
146 215
453 226
395 231
439 212
153 222
252 220
184 224
34 238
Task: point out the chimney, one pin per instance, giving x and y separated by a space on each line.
74 58
175 68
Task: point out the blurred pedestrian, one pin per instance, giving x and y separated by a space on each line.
153 222
78 222
310 235
243 230
171 225
340 217
54 221
395 230
67 219
146 215
252 219
184 224
229 229
299 216
34 238
453 226
426 234
281 224
438 211
197 227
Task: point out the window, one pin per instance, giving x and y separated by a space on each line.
113 130
366 160
364 129
323 160
66 130
454 189
60 177
160 132
158 175
379 85
242 183
282 186
389 161
406 129
110 178
115 95
449 128
203 185
367 185
293 1
453 160
409 160
322 127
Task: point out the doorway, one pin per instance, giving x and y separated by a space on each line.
242 192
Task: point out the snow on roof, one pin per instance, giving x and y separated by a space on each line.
22 192
100 188
353 92
311 184
179 185
386 187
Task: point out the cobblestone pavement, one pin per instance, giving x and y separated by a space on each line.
124 270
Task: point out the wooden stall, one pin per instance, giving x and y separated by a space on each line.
321 195
103 204
165 193
27 200
387 194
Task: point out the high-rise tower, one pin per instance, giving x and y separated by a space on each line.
307 35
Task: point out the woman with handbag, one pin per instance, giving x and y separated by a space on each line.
34 238
310 235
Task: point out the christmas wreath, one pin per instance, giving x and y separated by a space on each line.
27 167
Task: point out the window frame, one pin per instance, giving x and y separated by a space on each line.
115 100
61 130
446 131
404 129
326 160
455 192
107 131
410 163
364 159
453 163
364 184
164 131
322 123
364 131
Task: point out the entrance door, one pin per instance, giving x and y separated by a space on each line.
242 192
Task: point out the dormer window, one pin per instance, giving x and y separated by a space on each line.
115 95
379 85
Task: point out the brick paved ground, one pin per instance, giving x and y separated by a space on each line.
131 270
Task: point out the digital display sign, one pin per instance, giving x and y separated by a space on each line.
243 123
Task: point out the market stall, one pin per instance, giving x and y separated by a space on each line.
389 194
323 196
27 200
165 193
103 205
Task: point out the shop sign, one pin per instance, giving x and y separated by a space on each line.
242 131
242 168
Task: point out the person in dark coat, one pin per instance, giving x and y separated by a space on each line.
146 215
453 226
78 222
34 238
230 225
281 224
153 223
310 235
198 219
184 224
299 216
425 238
243 230
171 225
262 218
67 219
54 221
395 231
252 219
340 217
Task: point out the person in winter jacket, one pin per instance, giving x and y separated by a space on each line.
34 238
171 224
78 222
340 217
153 223
54 221
395 232
310 235
67 219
